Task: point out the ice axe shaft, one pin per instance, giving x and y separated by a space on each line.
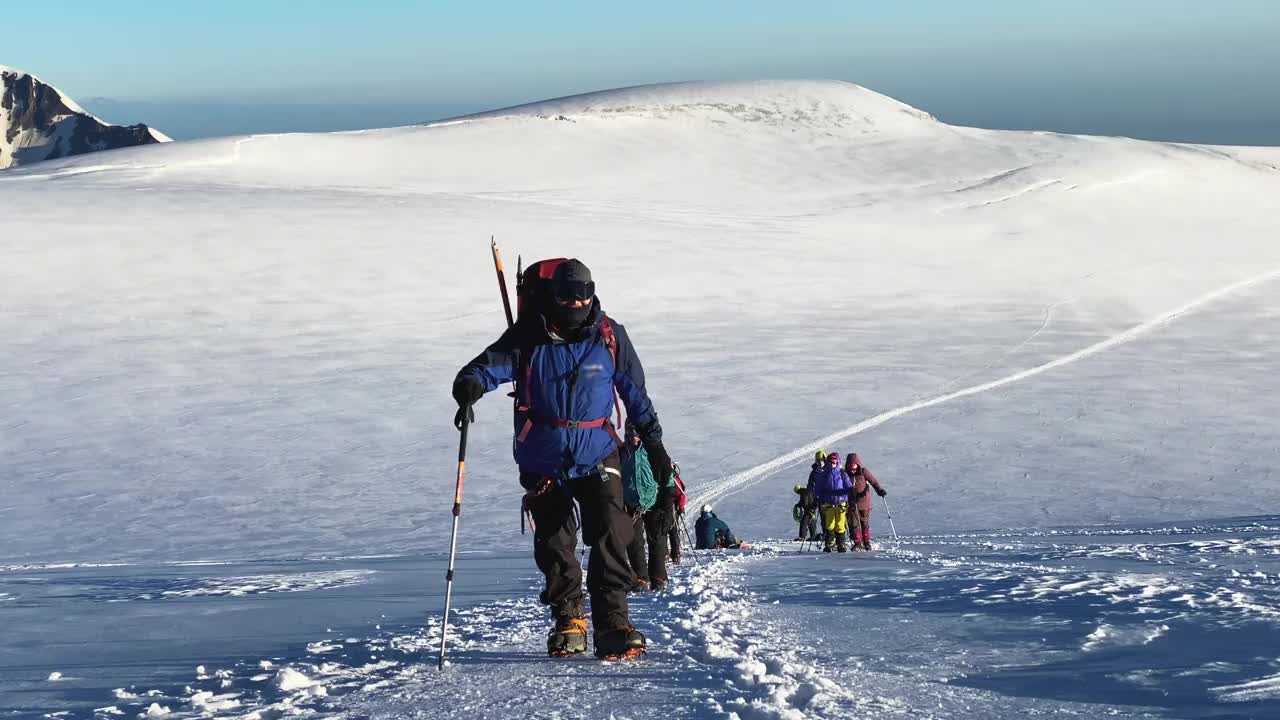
502 280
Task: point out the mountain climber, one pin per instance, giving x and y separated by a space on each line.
819 462
567 358
653 509
805 512
711 532
832 486
859 512
638 492
659 522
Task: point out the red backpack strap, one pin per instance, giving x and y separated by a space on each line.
611 342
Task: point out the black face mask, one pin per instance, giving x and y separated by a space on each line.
569 318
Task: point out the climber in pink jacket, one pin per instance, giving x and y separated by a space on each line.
860 501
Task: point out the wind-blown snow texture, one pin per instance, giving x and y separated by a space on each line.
242 348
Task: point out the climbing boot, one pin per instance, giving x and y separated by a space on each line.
568 637
619 644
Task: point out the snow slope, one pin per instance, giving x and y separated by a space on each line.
39 122
243 346
240 350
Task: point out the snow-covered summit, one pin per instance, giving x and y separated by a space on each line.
810 103
39 122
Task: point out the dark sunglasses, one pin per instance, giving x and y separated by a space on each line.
570 291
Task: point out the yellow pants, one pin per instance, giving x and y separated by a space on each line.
833 519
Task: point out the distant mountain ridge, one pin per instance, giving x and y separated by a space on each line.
39 122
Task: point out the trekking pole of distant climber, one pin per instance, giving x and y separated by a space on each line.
693 549
890 514
502 280
453 539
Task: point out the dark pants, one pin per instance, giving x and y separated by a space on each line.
635 548
659 522
860 526
809 524
651 531
673 538
606 529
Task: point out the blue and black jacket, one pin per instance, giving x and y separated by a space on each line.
564 388
712 532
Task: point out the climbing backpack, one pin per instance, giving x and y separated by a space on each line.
681 498
639 486
533 287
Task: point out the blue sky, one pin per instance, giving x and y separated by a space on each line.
1172 69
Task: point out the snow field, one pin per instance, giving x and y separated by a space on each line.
241 349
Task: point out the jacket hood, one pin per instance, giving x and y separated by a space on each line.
853 459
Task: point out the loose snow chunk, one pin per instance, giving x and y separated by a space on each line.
109 710
1106 634
53 676
208 702
752 670
122 694
288 680
156 710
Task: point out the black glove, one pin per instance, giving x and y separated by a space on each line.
660 461
467 390
881 492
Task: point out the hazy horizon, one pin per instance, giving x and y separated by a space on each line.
195 118
1175 70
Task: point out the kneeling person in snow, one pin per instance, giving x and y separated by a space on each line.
712 532
860 505
566 358
832 486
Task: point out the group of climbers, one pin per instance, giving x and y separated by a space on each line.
572 366
841 496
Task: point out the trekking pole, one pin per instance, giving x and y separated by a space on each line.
502 280
453 540
890 514
693 549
